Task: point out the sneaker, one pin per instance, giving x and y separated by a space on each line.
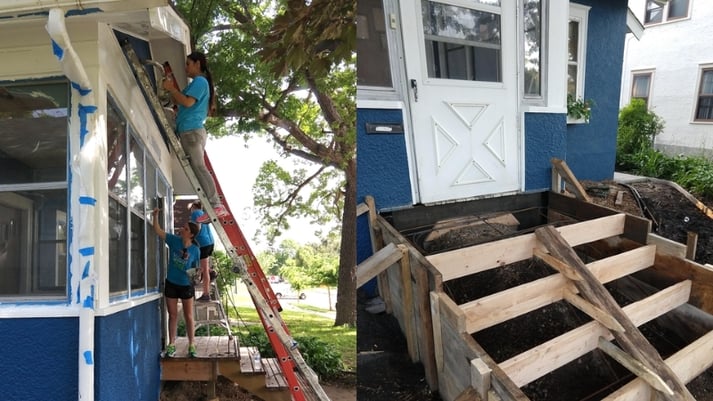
192 351
170 351
203 298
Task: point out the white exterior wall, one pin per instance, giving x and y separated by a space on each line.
674 52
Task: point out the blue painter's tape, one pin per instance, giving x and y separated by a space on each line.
87 200
83 111
82 91
88 358
89 300
88 251
57 50
85 11
85 272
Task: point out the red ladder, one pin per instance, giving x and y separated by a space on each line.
246 265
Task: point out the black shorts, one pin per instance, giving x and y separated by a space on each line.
206 251
178 291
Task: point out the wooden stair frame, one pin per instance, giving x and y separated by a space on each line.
452 325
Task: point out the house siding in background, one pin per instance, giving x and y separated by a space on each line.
674 53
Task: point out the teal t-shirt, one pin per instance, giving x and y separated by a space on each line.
180 261
190 118
204 237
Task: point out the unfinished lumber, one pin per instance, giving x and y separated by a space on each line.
619 198
592 311
634 366
505 305
546 357
691 245
482 257
469 394
408 304
568 176
480 377
688 363
556 264
631 339
667 246
378 262
361 209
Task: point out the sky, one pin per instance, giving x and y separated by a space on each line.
236 168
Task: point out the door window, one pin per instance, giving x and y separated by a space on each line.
462 43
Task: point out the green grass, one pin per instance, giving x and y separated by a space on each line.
310 323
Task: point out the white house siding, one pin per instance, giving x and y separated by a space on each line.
674 52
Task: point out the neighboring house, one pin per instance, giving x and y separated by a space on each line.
672 73
83 163
465 100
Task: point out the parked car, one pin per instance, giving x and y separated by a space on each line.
284 290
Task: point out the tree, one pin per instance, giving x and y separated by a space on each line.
285 69
313 265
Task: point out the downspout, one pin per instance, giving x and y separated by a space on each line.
83 124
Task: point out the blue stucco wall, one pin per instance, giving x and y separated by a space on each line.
382 172
382 164
39 359
545 138
591 148
127 359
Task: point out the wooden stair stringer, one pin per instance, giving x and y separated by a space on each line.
253 382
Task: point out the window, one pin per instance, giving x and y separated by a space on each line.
134 183
533 49
462 43
704 107
373 68
658 11
576 44
641 86
33 188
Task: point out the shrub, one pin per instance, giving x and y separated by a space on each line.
319 355
638 127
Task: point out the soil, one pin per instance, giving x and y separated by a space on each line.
385 372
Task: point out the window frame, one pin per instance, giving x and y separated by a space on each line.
702 70
131 289
29 287
649 89
392 22
665 11
541 98
580 14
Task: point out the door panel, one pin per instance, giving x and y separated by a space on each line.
460 59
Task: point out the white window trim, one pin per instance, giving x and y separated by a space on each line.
580 14
664 16
394 41
696 92
540 100
652 73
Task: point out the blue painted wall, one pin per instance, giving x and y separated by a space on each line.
127 359
39 359
382 165
591 148
382 172
545 138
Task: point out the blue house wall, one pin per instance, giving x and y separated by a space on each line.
44 353
39 359
128 344
591 148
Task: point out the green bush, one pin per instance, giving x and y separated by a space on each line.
637 129
319 355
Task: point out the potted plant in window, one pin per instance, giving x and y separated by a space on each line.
579 110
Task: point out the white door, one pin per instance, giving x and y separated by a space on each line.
461 70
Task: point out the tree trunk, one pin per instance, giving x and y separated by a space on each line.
346 287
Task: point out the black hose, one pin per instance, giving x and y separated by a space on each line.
642 206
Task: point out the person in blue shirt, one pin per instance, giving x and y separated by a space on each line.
206 243
194 103
183 255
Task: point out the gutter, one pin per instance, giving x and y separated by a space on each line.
82 125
